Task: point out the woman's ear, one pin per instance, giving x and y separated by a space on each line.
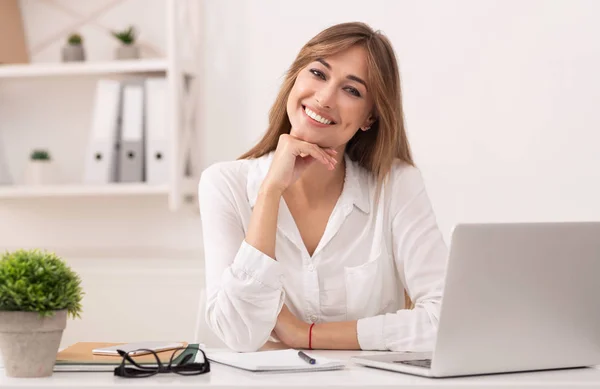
368 123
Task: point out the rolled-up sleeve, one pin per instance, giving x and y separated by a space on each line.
421 257
244 292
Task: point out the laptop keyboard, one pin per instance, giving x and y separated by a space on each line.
426 363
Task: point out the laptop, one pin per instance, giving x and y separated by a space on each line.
517 297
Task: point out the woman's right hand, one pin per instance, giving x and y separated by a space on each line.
291 159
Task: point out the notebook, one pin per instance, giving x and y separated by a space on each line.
79 357
274 361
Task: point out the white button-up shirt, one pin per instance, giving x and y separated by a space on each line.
370 252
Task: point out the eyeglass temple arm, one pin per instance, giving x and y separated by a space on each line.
126 356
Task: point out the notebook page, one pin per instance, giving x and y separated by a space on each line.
277 360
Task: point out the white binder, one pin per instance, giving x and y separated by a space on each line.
101 158
131 155
158 157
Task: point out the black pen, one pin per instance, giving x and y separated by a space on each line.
306 358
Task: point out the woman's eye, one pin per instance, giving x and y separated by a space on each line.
317 73
350 89
353 91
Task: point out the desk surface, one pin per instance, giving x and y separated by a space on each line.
354 376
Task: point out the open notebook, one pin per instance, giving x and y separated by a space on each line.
274 361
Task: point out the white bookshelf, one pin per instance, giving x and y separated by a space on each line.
83 68
76 190
82 190
182 21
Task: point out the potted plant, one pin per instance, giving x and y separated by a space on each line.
73 51
40 168
128 49
38 290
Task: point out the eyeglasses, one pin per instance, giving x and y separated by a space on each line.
182 362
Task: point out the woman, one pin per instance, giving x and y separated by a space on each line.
312 236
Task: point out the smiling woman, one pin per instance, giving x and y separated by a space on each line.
336 67
312 237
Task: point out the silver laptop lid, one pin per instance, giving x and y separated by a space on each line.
521 296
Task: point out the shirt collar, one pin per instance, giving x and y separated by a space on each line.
356 189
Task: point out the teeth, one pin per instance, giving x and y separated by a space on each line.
316 117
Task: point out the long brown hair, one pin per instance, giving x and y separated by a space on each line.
376 148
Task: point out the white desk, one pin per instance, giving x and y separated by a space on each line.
354 376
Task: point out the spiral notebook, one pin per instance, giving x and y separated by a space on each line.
274 361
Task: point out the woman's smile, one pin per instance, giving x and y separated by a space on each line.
315 119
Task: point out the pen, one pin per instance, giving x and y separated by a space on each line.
308 359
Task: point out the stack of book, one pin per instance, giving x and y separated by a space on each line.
80 357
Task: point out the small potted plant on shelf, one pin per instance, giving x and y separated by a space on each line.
127 49
73 51
38 291
40 169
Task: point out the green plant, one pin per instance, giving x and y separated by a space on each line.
40 155
75 39
127 36
38 281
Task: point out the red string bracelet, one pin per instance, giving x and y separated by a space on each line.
310 336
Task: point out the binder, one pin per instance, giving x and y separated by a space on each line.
101 157
131 154
158 156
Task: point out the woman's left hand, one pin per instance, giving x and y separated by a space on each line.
291 330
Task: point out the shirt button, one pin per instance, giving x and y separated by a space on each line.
311 267
313 318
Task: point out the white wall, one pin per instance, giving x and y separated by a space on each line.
499 99
499 96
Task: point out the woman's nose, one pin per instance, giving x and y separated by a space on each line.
326 96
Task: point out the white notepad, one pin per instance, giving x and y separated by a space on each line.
274 361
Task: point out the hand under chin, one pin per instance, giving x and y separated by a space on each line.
304 136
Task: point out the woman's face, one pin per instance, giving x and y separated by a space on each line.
334 89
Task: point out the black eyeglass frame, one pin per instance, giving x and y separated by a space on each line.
182 367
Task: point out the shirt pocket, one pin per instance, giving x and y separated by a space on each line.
365 292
